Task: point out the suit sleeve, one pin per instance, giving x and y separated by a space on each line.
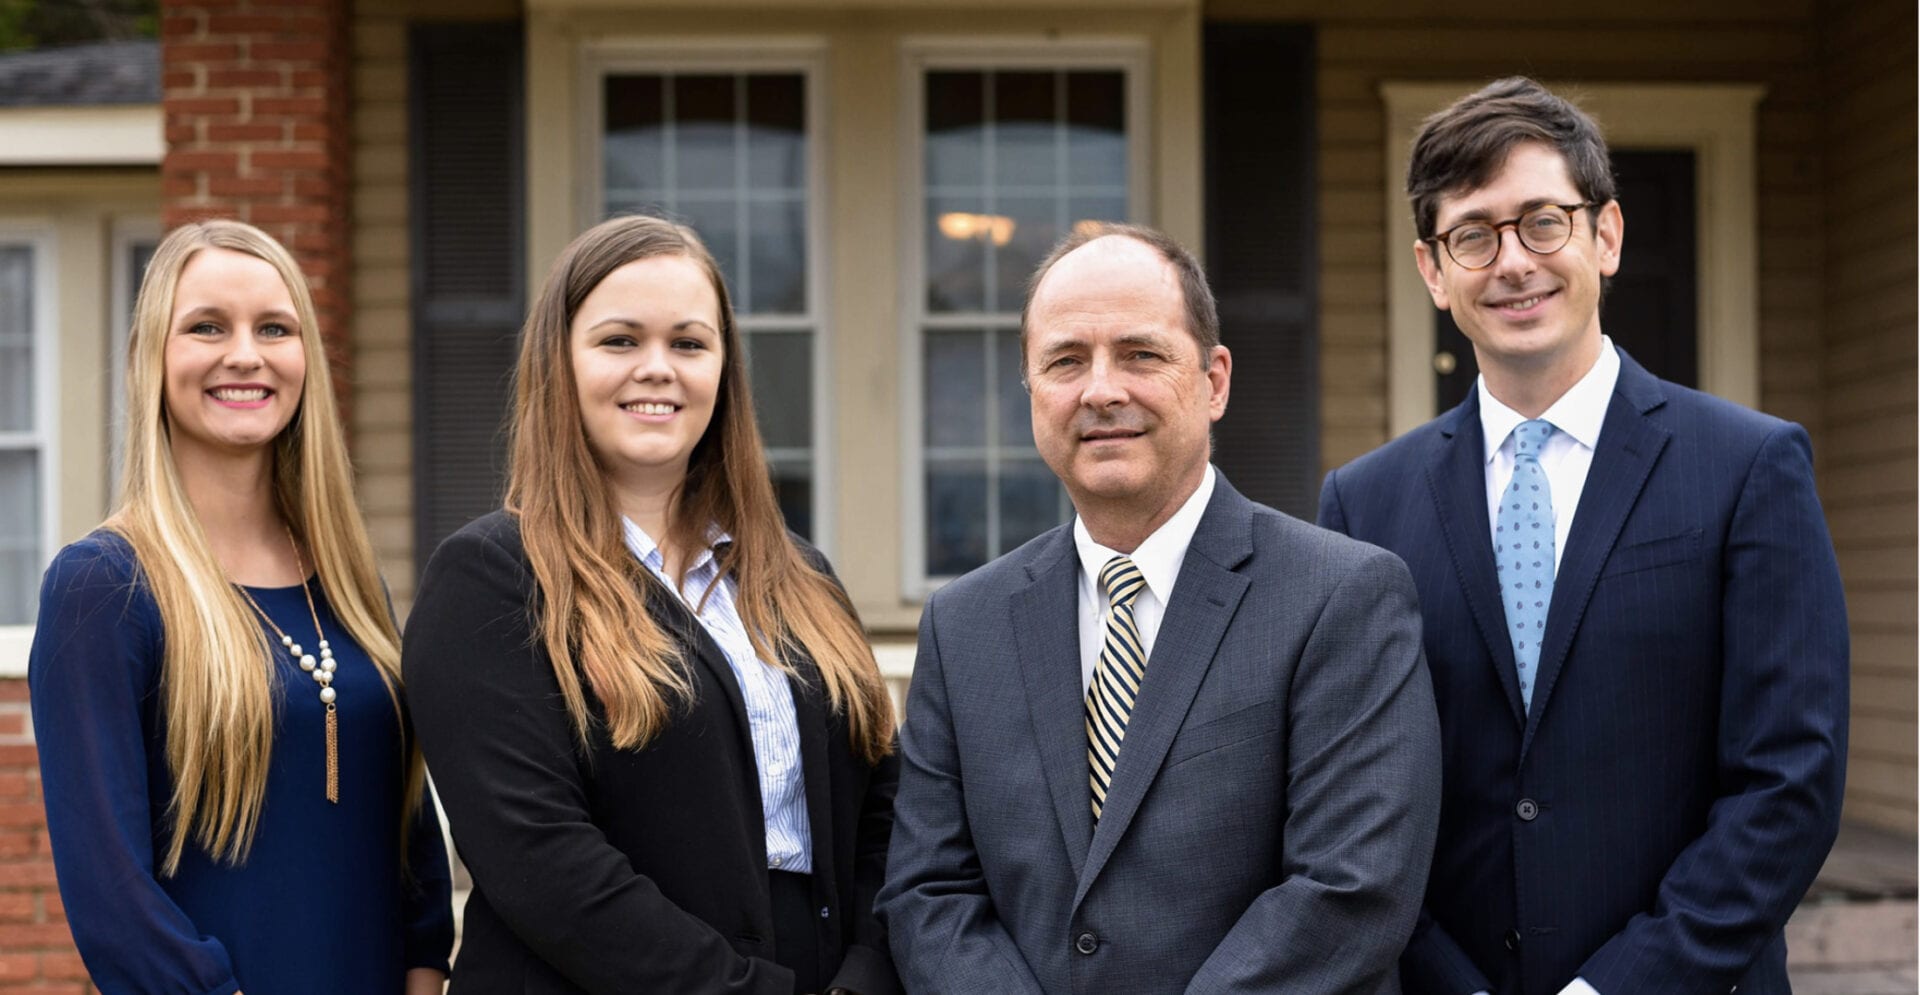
1433 961
868 967
1783 745
96 658
1363 801
946 934
429 892
505 759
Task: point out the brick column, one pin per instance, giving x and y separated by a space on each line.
36 952
256 100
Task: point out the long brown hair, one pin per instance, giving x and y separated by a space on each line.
591 616
217 680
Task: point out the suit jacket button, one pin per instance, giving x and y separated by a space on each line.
1086 943
1528 810
1513 939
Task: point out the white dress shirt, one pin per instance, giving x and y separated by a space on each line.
1565 459
763 687
1158 557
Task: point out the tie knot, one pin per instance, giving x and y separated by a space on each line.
1122 582
1529 437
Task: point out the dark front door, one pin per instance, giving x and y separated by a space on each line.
1650 309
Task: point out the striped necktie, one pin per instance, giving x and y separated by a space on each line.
1116 678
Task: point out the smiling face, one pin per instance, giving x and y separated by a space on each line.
647 356
234 362
1530 317
1122 398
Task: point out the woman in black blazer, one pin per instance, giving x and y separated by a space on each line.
652 715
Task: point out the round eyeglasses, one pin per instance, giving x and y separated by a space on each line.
1543 231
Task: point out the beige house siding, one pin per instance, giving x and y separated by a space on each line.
382 344
1765 44
1867 469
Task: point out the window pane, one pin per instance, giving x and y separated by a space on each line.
633 152
781 365
777 258
1034 230
956 135
1030 502
956 385
20 559
793 488
956 517
776 133
959 230
1026 134
1016 414
16 339
1096 129
703 132
717 221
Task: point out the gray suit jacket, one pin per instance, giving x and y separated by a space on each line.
1272 814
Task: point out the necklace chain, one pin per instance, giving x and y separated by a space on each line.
320 669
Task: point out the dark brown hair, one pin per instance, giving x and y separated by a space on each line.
591 615
1203 316
1463 147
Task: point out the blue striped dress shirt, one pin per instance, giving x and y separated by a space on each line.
764 688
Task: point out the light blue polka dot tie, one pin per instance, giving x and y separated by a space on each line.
1523 551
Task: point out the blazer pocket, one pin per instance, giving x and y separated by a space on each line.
1652 553
1236 726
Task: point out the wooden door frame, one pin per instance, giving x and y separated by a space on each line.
1715 121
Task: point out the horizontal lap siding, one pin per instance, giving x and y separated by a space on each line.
383 414
1867 467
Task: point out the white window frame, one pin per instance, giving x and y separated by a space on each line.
1714 121
805 56
127 231
15 640
1131 56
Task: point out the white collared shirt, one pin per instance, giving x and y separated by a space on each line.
771 718
1566 457
1158 557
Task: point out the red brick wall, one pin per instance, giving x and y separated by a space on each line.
36 952
256 100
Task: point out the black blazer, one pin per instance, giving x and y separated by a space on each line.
611 870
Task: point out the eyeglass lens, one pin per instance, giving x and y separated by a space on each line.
1544 230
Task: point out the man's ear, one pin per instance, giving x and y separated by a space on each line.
1219 380
1609 233
1423 257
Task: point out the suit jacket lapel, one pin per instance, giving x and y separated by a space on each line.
1205 597
810 711
1457 476
1046 627
1629 444
693 637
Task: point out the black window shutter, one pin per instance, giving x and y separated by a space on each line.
1262 257
468 269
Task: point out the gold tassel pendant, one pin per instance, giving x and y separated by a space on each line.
333 756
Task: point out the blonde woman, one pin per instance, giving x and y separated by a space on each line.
654 718
232 793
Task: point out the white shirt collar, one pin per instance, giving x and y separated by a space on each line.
1160 555
647 551
1579 412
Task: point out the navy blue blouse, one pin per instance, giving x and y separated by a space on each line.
320 905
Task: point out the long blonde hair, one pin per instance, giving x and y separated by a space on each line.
591 615
218 682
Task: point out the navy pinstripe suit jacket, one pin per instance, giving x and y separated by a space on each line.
1654 818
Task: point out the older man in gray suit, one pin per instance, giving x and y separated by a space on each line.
1184 743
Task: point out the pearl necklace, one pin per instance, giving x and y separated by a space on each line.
321 669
